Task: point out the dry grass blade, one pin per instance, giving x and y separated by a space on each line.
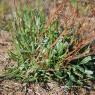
73 57
61 34
80 46
54 14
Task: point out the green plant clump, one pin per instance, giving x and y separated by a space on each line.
37 60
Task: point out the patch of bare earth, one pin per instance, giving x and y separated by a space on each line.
7 87
11 87
5 45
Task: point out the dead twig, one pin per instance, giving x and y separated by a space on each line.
71 58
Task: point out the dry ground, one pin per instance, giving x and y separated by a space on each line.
11 87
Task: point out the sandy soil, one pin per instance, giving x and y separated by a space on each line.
11 87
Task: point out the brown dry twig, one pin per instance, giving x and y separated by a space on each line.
54 14
71 58
80 46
